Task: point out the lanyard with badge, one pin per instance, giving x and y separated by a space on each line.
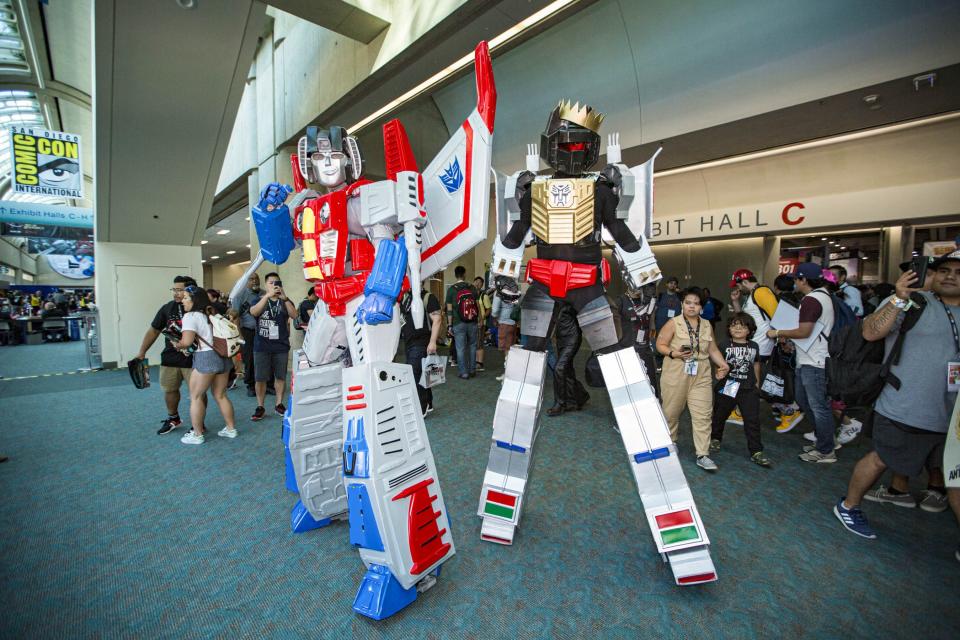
638 315
690 366
953 368
271 325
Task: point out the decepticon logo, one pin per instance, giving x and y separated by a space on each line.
452 177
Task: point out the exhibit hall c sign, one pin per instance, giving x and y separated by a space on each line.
894 205
45 214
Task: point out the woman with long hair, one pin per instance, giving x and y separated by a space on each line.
210 369
687 342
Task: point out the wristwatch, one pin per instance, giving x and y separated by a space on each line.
900 303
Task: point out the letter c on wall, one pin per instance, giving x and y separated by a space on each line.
786 214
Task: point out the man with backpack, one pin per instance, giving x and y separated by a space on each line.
817 314
420 342
462 313
913 411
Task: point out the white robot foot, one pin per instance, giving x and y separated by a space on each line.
497 531
502 495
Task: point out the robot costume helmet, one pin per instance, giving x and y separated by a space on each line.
570 143
507 289
329 157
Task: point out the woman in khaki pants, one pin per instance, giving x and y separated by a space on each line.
688 344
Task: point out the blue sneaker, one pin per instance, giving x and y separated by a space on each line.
853 520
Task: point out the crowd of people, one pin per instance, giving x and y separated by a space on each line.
721 361
57 303
15 303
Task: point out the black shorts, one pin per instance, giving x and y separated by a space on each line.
907 450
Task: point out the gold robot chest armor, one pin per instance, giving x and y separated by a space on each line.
562 209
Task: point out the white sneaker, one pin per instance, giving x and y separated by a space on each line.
849 431
227 432
811 436
705 463
192 438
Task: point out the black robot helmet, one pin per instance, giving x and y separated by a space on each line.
570 143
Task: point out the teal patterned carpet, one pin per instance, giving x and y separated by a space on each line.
110 531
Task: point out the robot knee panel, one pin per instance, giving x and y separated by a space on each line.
596 322
537 313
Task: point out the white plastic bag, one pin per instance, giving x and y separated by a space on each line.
434 371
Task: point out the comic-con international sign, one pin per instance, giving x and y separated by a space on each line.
45 163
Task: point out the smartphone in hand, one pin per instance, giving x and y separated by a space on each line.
919 266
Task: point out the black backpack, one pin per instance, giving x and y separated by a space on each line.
856 369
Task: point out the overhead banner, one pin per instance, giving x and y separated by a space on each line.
47 214
54 246
45 163
44 231
76 267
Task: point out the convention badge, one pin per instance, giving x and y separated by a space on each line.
274 331
731 388
953 376
690 367
671 313
641 336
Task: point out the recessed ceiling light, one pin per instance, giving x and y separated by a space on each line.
231 252
248 246
223 232
214 257
842 248
203 241
203 261
248 217
823 238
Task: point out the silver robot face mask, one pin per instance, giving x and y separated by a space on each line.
330 167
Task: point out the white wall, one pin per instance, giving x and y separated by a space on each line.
127 309
661 68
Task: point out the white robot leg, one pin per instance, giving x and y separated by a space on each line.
397 515
515 425
398 519
313 425
671 512
514 432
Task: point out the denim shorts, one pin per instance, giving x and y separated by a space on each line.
209 361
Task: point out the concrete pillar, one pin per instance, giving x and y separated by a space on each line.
893 252
771 259
133 281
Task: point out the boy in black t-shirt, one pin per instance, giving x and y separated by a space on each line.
739 389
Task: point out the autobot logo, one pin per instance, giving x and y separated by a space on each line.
452 177
324 213
561 194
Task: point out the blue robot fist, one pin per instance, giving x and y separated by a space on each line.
273 195
271 219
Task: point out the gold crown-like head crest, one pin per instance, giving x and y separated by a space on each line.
584 116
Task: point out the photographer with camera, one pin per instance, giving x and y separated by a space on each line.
271 344
248 328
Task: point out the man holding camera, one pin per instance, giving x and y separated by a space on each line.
271 344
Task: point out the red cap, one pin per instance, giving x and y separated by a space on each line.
738 275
